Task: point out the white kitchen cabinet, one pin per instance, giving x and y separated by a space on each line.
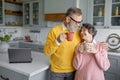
59 6
6 74
38 48
34 47
104 13
33 13
37 70
14 45
113 73
2 21
13 13
55 10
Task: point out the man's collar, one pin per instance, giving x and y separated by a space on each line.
64 27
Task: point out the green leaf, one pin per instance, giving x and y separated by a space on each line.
5 38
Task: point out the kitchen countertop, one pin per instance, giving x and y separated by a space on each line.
39 63
36 43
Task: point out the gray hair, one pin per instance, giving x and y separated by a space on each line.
73 10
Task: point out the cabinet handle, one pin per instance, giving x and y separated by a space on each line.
104 26
4 78
107 27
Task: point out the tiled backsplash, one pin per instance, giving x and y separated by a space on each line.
43 32
102 34
37 36
15 32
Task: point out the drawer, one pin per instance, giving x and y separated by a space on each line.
34 47
11 75
38 48
110 76
14 45
25 45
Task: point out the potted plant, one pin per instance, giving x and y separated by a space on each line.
4 43
5 38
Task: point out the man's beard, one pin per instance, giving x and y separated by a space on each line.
72 28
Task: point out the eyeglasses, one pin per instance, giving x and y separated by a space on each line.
75 20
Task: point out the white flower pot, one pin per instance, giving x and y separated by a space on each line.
4 47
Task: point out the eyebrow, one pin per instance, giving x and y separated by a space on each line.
75 20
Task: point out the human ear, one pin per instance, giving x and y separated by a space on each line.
68 19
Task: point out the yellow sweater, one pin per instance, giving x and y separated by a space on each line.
61 56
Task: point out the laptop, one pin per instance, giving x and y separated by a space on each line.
19 55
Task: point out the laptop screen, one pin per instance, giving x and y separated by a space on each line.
19 55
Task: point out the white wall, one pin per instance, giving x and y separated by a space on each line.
43 31
103 34
36 36
84 7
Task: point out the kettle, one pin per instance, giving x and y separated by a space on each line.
27 37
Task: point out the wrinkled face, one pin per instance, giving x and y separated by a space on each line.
85 35
74 22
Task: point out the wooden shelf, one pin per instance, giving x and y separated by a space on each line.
55 17
13 2
14 25
16 13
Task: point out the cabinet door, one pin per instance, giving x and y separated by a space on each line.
6 74
34 47
104 13
96 11
26 13
14 45
1 12
115 14
25 45
35 13
110 76
38 48
113 72
112 14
